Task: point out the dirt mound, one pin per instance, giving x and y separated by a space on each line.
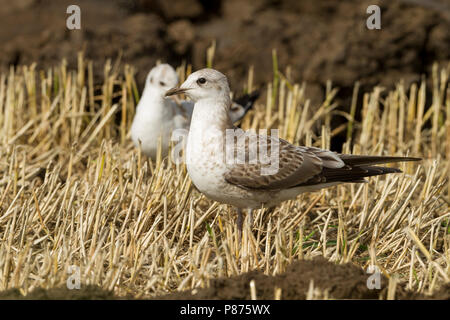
345 281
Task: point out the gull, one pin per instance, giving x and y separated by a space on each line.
247 185
158 116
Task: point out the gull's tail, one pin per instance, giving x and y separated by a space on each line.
357 161
355 174
358 167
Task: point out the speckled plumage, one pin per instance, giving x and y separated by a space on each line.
301 169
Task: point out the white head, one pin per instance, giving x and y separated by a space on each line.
162 78
203 84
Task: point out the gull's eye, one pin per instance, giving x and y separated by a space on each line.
162 83
201 80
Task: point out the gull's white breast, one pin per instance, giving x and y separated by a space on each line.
150 122
205 159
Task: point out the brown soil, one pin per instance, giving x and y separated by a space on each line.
320 39
345 281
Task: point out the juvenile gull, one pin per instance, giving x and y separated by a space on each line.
244 185
158 116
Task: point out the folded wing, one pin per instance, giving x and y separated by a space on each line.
306 166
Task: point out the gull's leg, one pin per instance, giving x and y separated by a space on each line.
239 222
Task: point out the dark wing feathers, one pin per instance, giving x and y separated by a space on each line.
307 166
348 174
242 105
356 169
356 160
247 100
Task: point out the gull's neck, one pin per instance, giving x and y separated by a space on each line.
206 139
212 114
153 101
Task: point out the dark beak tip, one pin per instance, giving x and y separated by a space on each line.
174 91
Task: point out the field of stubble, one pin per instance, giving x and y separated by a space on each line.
75 192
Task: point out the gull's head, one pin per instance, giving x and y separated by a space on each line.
162 78
204 84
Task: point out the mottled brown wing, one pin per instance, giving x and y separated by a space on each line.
296 165
306 166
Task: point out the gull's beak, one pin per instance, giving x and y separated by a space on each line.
174 91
